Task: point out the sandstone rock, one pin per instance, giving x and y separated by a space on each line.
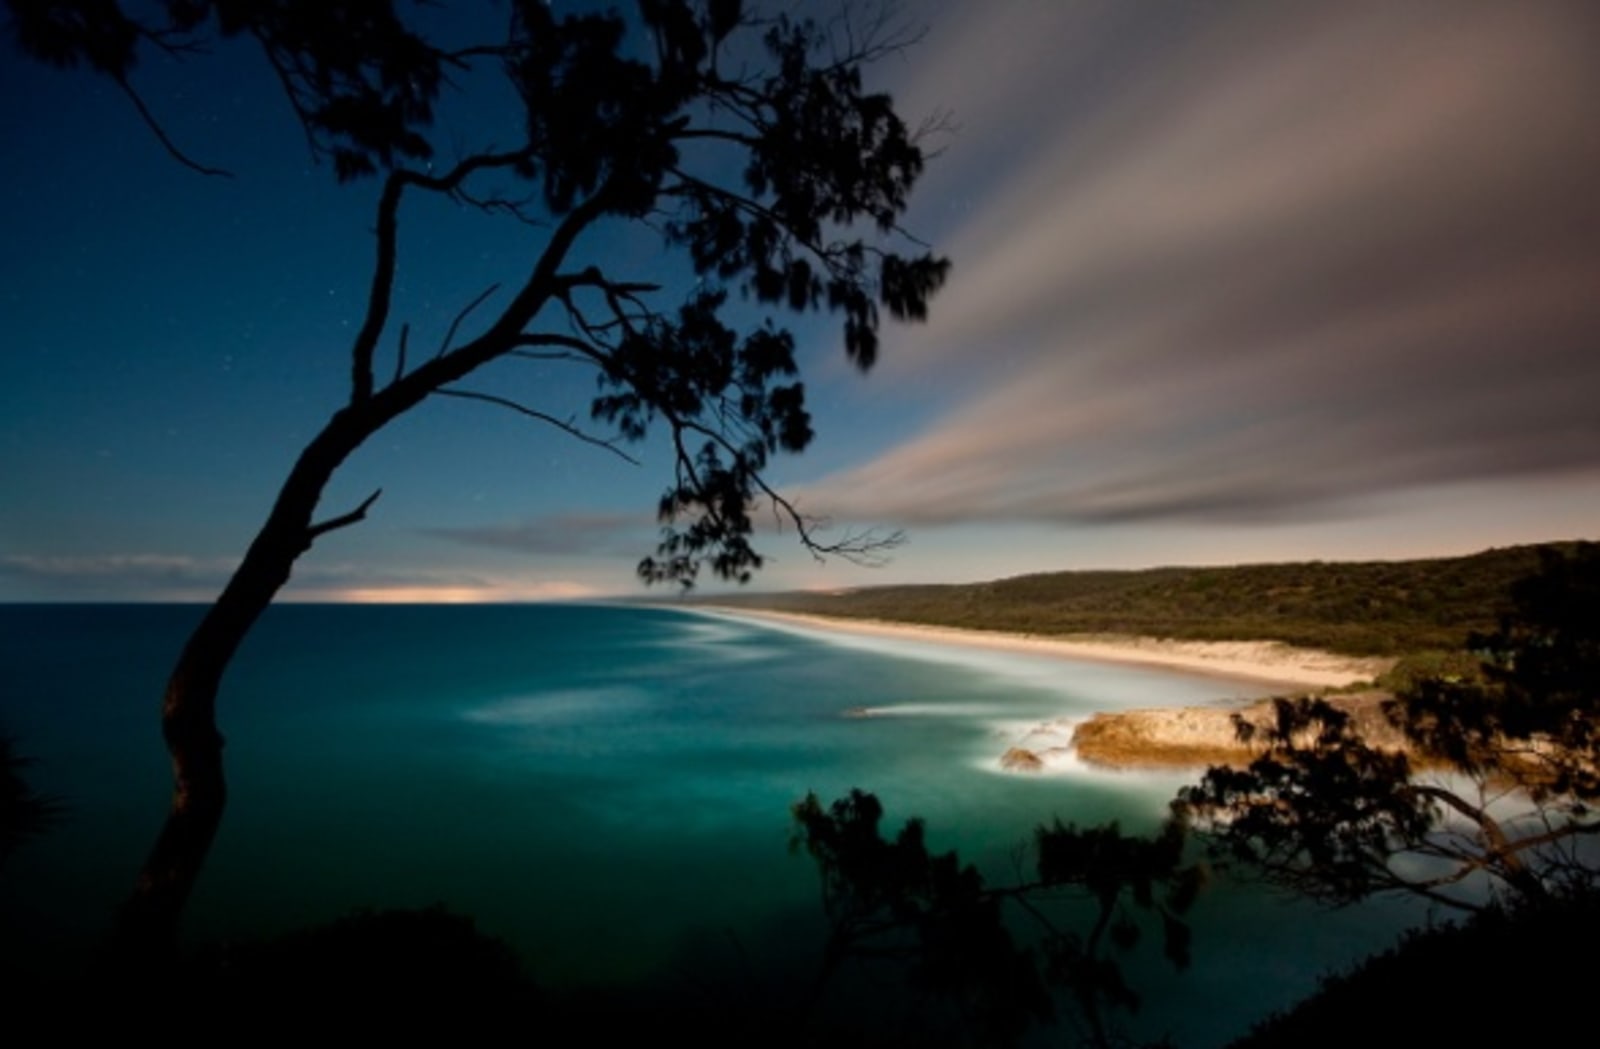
1020 759
1200 736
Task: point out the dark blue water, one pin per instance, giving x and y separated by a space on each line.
606 787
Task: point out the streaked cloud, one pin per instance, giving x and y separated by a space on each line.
1232 280
1262 263
449 594
109 574
163 577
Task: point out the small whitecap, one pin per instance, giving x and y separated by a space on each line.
558 705
920 710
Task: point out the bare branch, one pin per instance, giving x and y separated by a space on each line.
566 426
343 520
594 342
400 355
886 30
382 291
593 278
585 350
551 355
596 332
868 548
450 335
161 135
688 476
505 333
516 209
718 134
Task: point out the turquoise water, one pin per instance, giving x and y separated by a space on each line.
606 787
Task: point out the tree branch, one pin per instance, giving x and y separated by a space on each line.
455 324
400 353
587 350
161 135
516 209
1499 847
315 531
382 290
566 426
861 548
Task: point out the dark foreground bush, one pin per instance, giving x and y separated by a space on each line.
1503 978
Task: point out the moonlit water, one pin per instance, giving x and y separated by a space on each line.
607 788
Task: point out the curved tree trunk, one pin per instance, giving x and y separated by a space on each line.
147 926
148 922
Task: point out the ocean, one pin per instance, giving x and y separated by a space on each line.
606 787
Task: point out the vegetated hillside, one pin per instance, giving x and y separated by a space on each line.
1361 608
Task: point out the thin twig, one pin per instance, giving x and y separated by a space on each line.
450 335
343 520
566 426
400 357
161 135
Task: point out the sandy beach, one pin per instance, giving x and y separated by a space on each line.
1275 665
1170 738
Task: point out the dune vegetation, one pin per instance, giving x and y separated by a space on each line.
1420 609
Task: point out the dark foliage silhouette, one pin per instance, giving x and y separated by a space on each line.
374 972
892 901
1492 805
749 143
1494 979
24 812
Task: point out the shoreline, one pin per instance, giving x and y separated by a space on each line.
1270 663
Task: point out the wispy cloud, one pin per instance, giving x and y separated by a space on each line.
163 577
566 534
1258 264
377 591
115 573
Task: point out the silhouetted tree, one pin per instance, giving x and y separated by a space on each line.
749 143
1494 803
894 901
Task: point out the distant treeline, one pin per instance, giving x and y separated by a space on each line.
1369 608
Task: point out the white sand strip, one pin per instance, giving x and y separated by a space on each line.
1270 662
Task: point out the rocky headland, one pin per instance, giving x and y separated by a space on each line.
1198 736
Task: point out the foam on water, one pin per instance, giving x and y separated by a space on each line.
922 710
612 702
1083 683
725 640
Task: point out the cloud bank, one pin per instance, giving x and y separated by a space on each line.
1252 262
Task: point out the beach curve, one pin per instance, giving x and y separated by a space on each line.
1165 737
1271 663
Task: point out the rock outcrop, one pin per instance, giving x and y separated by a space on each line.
1201 736
1021 759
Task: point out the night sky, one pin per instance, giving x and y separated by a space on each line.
1232 282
